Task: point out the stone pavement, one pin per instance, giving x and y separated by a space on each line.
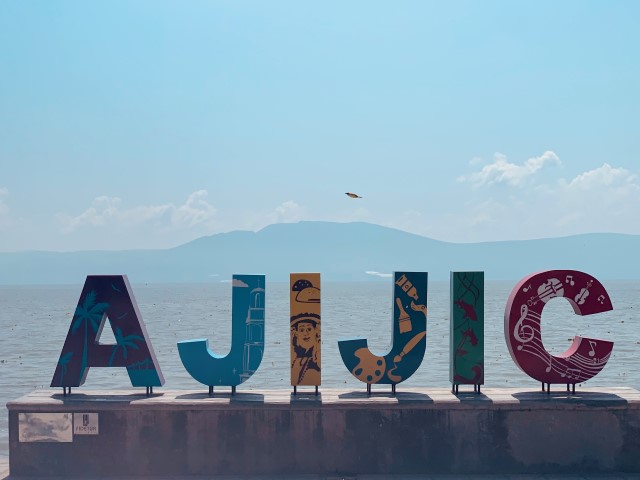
4 475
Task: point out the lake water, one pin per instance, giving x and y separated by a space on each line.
34 321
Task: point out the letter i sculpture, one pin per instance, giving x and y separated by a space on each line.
466 365
304 321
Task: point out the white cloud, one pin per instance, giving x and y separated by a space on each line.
502 171
108 211
257 219
606 196
196 211
603 199
287 212
619 180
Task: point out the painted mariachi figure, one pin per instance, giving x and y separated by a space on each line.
305 344
305 329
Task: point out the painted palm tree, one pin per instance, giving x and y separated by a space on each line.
123 343
88 314
63 362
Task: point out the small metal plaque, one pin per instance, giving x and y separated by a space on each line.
45 427
85 424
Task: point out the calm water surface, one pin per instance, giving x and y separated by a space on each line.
34 322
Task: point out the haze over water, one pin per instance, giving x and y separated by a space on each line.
35 321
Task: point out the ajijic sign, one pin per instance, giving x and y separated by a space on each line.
110 297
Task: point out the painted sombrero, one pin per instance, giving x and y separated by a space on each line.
305 317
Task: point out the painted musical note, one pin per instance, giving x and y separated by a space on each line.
601 299
527 288
521 332
569 280
548 369
592 344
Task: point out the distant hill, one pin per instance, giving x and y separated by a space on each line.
339 251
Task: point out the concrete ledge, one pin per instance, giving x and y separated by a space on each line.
419 431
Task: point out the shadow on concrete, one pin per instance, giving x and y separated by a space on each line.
599 399
247 397
303 398
362 394
472 397
400 397
237 397
413 397
106 397
202 396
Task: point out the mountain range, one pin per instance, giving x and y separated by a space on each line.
339 251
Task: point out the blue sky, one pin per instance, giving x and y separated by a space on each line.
145 124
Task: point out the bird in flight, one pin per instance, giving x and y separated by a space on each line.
353 195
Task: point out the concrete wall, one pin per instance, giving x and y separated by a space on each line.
338 433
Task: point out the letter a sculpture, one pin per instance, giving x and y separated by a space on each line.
107 297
